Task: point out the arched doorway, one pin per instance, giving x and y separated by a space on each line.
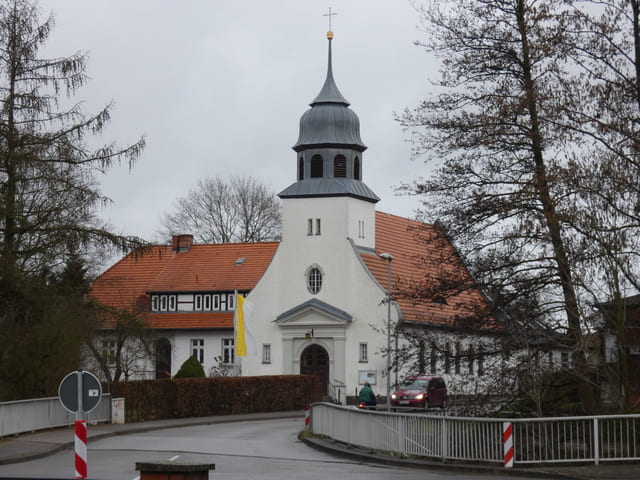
315 361
163 358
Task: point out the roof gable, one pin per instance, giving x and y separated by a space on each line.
330 313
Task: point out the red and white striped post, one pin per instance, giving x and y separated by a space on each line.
507 439
81 448
307 417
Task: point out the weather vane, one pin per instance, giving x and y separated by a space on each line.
330 14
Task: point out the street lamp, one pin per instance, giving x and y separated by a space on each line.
388 257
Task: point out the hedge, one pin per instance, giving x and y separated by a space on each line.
201 397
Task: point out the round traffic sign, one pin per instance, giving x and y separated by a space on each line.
90 392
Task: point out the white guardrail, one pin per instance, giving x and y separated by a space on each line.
535 440
41 413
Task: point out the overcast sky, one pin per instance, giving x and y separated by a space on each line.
218 88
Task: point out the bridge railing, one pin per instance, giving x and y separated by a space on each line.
23 416
535 440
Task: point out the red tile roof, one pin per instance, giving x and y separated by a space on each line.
202 268
425 266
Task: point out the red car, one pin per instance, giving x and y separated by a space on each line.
423 391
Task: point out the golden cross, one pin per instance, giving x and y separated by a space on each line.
329 15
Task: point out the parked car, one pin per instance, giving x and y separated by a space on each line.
420 391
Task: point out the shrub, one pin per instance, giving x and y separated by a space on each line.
191 368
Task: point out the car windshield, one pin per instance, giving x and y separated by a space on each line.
414 384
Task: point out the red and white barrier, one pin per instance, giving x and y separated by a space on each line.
81 448
307 417
507 439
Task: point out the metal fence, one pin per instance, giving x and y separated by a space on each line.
535 440
37 414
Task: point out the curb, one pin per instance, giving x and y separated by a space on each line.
350 451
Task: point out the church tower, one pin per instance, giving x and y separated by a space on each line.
329 164
317 299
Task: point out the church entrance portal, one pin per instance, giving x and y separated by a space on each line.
315 361
163 358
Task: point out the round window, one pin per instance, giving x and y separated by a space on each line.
314 280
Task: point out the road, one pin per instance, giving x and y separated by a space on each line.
267 449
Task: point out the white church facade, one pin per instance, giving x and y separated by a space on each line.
319 295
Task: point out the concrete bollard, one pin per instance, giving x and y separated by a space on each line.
174 470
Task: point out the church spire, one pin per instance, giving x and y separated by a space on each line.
329 92
329 148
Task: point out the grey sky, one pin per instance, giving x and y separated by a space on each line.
218 87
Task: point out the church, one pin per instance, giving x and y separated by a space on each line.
325 298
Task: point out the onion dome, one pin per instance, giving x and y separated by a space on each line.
329 121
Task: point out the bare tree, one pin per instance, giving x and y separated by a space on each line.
121 342
607 171
217 211
498 137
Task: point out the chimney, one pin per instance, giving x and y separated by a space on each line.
181 243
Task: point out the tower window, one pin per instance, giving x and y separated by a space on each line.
316 166
310 226
314 280
356 168
301 168
340 166
317 226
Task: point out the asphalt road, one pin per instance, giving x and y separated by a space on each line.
267 449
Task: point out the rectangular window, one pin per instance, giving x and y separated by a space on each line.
155 303
163 303
266 353
197 349
433 359
480 363
198 303
228 353
206 300
447 359
223 302
172 303
317 226
457 358
310 226
231 301
471 360
215 303
364 353
109 352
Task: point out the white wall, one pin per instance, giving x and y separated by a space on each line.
347 285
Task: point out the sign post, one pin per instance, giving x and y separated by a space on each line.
80 392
